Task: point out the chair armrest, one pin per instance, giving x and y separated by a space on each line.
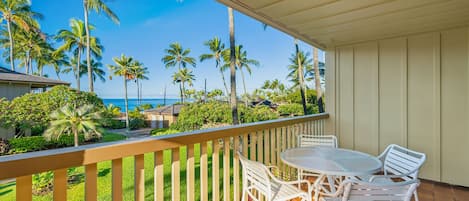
392 176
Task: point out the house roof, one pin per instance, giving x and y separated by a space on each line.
169 109
7 75
329 23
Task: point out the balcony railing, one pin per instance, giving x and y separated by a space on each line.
261 141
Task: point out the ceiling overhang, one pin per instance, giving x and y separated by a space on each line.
329 23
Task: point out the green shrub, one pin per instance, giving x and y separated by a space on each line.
33 110
255 114
195 115
296 109
42 182
112 123
163 131
28 144
67 141
136 123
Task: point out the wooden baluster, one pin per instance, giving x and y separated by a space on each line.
267 147
252 145
236 177
190 173
203 172
24 188
117 179
226 169
91 182
284 147
60 184
260 146
139 181
245 145
273 154
175 174
215 171
158 178
278 146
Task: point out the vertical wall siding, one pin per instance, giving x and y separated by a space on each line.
412 91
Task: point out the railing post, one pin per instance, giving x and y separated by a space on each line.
117 179
60 184
24 188
91 179
226 169
139 172
175 174
190 173
158 176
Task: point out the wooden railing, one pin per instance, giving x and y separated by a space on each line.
261 141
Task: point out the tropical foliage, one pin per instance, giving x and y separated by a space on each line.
32 111
72 120
198 115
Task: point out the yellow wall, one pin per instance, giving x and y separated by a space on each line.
412 91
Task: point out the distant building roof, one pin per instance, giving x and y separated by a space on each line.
7 75
169 110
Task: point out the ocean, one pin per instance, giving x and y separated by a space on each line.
120 102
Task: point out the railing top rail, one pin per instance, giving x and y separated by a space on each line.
36 162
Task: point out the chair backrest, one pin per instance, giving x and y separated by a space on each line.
364 191
402 161
317 140
255 177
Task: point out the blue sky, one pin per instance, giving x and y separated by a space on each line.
148 27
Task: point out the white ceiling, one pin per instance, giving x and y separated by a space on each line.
328 23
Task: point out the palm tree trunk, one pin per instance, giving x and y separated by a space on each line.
224 81
138 92
183 90
300 78
126 105
234 101
244 86
75 136
317 79
30 64
12 55
26 65
78 68
88 51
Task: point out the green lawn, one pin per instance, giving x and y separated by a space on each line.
76 191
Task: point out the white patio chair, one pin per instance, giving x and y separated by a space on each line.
398 163
314 140
356 190
257 179
317 140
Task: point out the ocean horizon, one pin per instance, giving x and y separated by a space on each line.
133 102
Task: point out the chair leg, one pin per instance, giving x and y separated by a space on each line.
416 196
243 196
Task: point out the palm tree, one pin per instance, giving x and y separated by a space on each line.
96 68
74 120
242 63
233 98
19 13
299 67
97 6
178 56
139 72
184 76
123 68
216 48
57 60
317 80
75 41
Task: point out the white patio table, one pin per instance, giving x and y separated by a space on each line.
329 162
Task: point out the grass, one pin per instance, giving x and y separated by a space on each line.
75 192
